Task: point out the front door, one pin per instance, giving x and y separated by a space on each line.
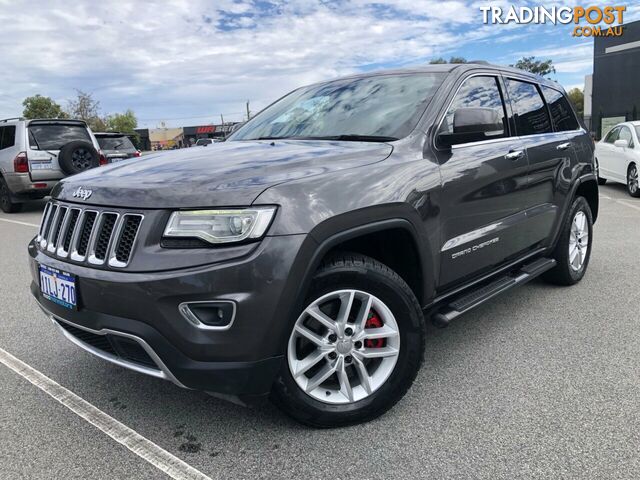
483 190
623 156
605 155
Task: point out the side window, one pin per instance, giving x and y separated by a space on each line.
8 137
1 133
530 111
561 112
625 134
483 95
612 136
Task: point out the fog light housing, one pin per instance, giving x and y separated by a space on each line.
209 315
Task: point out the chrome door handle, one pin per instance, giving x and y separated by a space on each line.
563 146
514 155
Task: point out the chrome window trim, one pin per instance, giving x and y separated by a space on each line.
496 75
111 255
523 137
186 312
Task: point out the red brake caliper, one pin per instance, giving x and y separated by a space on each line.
373 321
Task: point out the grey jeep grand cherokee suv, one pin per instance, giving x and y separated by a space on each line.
300 258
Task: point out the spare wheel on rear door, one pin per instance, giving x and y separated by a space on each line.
78 156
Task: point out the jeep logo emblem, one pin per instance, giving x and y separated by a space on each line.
82 193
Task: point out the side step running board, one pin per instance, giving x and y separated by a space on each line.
477 296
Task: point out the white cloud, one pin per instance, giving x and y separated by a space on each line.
190 60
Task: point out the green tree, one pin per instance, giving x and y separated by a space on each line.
539 67
122 122
577 98
41 107
84 107
440 60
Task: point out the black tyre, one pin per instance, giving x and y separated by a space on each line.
7 205
78 156
356 347
574 246
633 187
601 181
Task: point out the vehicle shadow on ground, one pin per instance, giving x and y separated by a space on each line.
197 423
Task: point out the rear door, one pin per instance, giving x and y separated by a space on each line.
551 155
45 139
483 189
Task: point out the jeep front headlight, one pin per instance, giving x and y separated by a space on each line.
220 226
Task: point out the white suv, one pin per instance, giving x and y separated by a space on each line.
36 154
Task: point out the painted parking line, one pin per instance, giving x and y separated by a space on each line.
141 446
621 202
19 222
630 205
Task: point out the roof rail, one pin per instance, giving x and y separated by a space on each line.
12 118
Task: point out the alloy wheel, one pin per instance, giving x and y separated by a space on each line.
81 158
632 180
578 241
343 347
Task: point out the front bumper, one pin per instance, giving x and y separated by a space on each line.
143 308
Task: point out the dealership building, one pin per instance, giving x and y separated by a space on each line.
612 94
164 138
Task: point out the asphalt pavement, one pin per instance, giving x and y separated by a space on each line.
543 382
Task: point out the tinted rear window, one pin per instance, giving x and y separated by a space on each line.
55 136
529 108
115 143
561 111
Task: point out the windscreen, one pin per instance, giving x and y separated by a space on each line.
385 106
115 143
55 136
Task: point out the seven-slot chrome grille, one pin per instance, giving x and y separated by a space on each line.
94 236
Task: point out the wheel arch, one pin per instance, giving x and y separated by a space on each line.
588 189
330 236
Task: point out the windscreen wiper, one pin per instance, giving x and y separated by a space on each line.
356 138
344 137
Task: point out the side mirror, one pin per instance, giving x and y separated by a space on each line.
621 143
237 126
472 124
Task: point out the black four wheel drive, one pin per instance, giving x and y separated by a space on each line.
301 258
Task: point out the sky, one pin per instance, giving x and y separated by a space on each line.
186 62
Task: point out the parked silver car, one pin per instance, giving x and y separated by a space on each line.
36 154
116 146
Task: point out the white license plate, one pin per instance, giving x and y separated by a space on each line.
58 287
41 166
